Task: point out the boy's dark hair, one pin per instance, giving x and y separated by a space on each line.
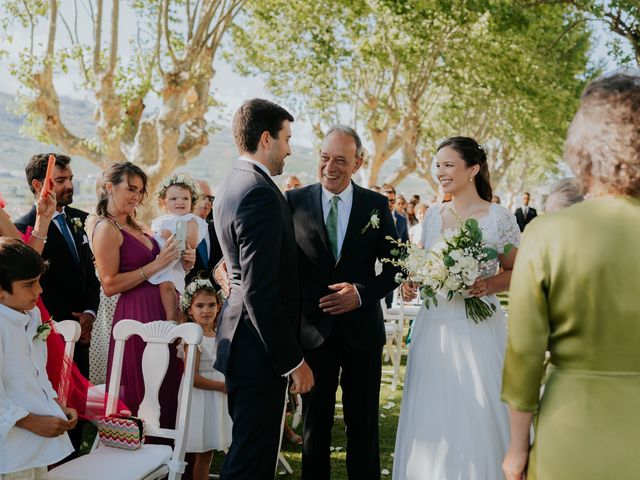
36 169
18 261
255 117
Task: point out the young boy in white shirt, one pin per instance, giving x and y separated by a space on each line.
33 425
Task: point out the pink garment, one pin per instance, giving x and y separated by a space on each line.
143 303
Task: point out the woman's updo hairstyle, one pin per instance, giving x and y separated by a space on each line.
473 154
116 174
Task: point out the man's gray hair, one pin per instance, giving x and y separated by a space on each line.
349 132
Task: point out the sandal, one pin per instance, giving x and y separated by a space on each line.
292 437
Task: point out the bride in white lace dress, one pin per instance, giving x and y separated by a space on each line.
453 425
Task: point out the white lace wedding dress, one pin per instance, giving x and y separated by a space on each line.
453 425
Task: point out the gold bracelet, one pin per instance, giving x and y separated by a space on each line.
38 236
143 275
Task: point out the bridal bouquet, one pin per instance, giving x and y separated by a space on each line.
450 267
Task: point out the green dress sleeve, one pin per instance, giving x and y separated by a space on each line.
528 325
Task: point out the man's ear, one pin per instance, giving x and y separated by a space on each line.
359 161
37 185
265 140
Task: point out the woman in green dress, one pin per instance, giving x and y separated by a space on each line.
575 293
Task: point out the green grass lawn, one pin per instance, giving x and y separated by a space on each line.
389 414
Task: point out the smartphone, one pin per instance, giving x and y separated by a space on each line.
181 235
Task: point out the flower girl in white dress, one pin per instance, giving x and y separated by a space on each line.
209 420
453 425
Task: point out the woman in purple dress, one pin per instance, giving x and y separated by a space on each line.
125 257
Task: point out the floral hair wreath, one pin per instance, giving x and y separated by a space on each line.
186 299
181 180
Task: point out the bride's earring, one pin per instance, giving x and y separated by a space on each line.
471 180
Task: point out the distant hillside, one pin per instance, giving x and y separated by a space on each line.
212 164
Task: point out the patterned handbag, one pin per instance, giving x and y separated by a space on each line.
121 430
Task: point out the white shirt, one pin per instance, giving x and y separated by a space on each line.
257 164
344 210
25 388
55 222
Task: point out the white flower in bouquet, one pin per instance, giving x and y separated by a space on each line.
450 267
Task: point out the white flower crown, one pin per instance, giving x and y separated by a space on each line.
182 180
194 287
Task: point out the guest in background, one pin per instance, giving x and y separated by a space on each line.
563 194
208 251
525 213
415 199
375 188
495 199
401 205
204 205
574 292
411 215
415 232
290 183
400 221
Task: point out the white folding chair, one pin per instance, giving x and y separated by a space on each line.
394 318
150 461
70 331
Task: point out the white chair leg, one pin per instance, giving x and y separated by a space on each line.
282 463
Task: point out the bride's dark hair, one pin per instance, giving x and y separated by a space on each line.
472 154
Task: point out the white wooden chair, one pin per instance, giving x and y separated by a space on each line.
70 331
394 318
394 323
150 461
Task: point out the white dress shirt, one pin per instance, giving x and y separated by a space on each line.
257 164
25 388
344 210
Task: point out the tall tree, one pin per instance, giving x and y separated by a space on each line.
415 71
174 45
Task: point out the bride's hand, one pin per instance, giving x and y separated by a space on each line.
480 288
409 291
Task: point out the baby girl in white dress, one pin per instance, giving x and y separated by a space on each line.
177 196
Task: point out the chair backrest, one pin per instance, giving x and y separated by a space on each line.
155 360
70 331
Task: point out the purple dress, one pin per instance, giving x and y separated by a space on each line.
143 303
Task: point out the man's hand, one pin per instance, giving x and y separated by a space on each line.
72 416
44 425
345 299
86 325
409 291
222 277
302 379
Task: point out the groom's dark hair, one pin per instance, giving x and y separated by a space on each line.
255 117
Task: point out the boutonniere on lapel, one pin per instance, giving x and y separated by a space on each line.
374 222
77 224
43 331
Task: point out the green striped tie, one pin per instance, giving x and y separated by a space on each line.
332 225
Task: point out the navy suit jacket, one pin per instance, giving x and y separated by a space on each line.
259 323
402 226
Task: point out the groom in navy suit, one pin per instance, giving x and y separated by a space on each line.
341 231
256 342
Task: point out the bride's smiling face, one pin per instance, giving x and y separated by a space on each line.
452 171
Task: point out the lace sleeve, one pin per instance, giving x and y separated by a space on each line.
508 231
